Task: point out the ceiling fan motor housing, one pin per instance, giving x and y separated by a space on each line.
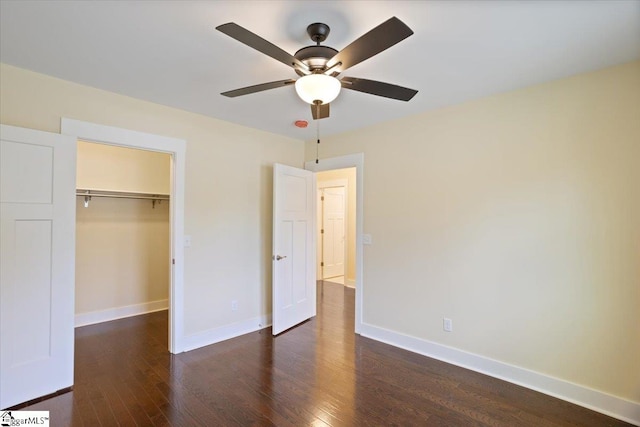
315 57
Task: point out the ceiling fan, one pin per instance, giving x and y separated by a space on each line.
318 66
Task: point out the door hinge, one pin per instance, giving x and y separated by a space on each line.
322 264
173 261
322 198
322 231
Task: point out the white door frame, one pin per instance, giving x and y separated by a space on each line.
177 149
342 162
320 223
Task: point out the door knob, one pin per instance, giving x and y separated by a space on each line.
278 257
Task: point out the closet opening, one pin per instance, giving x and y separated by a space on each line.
123 232
176 150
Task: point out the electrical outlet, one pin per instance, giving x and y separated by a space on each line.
234 305
447 325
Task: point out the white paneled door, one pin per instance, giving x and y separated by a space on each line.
37 262
333 227
294 247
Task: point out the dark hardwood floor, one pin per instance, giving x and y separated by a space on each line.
319 374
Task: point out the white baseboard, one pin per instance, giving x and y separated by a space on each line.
223 333
93 317
351 283
596 400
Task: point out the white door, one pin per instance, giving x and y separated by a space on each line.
333 221
294 249
37 262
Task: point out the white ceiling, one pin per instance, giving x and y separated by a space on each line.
169 52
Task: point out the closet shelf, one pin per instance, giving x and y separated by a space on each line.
88 194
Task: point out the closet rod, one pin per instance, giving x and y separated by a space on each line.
80 192
119 196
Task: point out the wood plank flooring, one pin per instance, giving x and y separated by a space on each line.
318 374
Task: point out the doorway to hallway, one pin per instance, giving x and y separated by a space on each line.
336 226
332 227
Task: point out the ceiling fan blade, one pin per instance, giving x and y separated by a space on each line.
372 43
258 88
374 87
245 36
320 113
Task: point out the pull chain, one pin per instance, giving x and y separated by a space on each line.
317 132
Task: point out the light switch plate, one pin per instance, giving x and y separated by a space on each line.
367 239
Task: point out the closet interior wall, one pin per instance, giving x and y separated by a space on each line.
122 244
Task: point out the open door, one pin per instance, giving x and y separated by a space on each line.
294 247
37 263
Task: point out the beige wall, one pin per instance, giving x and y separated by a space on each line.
517 216
122 254
350 248
105 167
122 245
228 209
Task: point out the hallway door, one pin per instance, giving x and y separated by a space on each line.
333 231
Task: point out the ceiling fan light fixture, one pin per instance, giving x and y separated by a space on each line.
318 87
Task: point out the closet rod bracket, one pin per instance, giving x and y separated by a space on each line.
87 199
